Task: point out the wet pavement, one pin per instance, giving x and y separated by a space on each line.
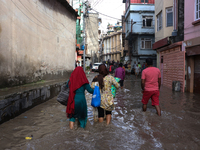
48 128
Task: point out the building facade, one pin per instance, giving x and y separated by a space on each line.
112 49
92 37
125 54
169 36
192 44
78 7
37 41
139 30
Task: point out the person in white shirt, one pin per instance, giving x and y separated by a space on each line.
137 70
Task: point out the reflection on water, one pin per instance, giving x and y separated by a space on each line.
177 128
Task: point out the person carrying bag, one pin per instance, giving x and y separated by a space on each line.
77 105
63 95
96 97
105 81
96 101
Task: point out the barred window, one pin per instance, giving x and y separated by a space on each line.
197 9
146 43
147 21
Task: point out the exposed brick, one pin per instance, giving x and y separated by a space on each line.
173 67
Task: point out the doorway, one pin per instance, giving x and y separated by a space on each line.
197 74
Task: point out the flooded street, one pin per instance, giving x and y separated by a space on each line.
178 128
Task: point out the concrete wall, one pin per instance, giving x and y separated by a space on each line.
136 12
161 5
17 103
191 43
92 35
37 41
191 31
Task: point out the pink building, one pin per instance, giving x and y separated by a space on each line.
192 44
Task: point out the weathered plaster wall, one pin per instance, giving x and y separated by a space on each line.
14 104
136 13
37 41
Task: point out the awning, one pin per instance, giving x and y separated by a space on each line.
160 43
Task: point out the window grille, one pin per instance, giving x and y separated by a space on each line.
147 21
197 13
146 43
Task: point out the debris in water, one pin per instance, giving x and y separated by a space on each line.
28 138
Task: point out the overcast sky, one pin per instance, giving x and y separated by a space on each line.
113 8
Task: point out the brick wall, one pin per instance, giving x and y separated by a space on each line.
173 67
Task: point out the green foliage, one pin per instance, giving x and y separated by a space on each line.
87 68
118 28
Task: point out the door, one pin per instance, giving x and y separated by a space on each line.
197 74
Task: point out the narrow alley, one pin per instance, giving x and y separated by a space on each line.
130 128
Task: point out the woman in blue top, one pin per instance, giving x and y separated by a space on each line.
77 105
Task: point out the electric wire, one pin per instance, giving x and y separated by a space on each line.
38 20
106 15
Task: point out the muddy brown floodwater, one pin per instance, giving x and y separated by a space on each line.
177 129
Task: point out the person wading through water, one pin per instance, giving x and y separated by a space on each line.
77 105
105 81
150 83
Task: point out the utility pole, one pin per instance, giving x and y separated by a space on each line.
130 49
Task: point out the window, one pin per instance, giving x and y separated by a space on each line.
197 12
144 1
147 21
169 17
145 43
159 21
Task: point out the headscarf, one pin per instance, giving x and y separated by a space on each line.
76 80
103 71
